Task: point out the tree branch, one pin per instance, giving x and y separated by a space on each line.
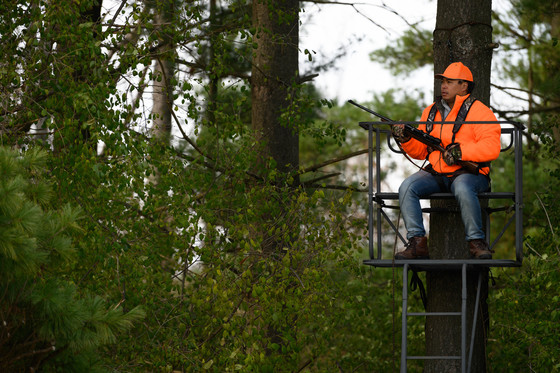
506 89
317 179
336 187
335 160
537 110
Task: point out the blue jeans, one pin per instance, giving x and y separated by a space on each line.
464 187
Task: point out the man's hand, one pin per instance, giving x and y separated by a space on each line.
452 154
398 133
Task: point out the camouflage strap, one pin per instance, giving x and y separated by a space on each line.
463 112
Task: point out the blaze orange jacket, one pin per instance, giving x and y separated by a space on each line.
479 142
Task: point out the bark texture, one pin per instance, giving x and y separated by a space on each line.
274 74
463 33
444 294
164 71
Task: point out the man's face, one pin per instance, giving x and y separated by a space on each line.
451 88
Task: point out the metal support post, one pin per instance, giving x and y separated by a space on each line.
404 319
464 320
475 319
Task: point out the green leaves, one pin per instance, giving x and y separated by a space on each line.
41 309
528 306
527 299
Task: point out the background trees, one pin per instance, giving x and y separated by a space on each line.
145 114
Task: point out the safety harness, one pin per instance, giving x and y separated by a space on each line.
461 115
463 111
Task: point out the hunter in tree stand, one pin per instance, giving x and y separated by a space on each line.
447 172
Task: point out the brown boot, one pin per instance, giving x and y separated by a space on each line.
416 248
479 249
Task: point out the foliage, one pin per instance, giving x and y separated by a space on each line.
527 300
525 336
47 322
412 50
184 229
528 28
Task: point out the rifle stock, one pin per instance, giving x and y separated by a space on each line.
423 137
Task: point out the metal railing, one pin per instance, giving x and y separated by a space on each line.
377 200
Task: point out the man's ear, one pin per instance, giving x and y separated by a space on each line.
465 85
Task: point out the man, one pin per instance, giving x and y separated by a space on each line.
478 143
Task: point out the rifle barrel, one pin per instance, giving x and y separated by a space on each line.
382 117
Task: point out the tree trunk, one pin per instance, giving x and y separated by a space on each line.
273 79
555 33
214 79
274 73
444 294
463 33
164 70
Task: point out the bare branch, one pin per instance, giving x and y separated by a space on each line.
323 177
506 89
336 187
335 160
537 110
353 5
307 78
110 25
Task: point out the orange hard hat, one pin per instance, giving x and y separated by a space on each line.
456 71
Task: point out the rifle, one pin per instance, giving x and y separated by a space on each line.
423 137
